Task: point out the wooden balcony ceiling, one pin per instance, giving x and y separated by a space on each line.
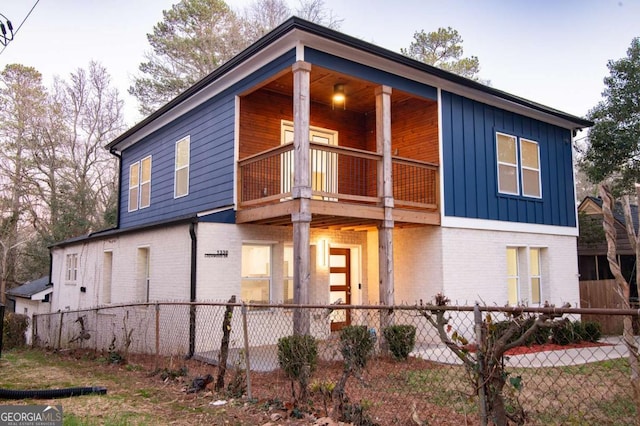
360 94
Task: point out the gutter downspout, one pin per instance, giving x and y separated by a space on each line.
192 295
119 157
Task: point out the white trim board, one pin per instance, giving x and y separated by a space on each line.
499 225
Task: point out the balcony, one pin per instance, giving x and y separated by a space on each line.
344 183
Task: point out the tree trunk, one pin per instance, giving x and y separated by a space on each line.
623 285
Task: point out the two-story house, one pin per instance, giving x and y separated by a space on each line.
315 167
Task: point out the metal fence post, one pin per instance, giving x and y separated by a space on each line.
482 400
246 348
157 335
60 331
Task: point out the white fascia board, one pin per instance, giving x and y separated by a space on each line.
41 294
499 225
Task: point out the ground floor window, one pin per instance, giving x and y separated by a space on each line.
288 274
513 276
524 275
255 286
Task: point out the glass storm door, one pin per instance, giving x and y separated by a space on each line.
340 286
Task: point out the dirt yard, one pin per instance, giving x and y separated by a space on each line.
138 393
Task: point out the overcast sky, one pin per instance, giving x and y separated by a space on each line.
550 51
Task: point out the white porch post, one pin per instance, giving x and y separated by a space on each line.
385 191
301 193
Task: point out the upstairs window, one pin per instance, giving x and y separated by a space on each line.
518 166
72 267
181 181
507 164
530 160
134 186
140 184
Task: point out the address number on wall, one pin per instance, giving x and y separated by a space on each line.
218 253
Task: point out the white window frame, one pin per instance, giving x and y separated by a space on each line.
139 202
71 274
523 168
178 168
535 275
328 181
285 274
145 203
259 277
143 271
515 277
515 165
133 206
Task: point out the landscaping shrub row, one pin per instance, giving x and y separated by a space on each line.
566 334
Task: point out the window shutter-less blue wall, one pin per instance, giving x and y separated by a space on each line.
469 166
211 127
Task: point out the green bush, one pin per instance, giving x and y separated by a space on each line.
356 346
298 355
401 340
539 337
567 333
15 327
592 331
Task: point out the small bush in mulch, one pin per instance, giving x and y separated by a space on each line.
592 331
401 340
568 333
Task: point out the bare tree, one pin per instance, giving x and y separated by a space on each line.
623 287
315 11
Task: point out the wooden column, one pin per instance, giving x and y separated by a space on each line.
301 193
385 191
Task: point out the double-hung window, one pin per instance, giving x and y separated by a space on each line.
72 267
518 166
181 181
288 274
140 184
524 275
513 276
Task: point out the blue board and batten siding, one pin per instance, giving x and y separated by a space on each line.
470 166
211 127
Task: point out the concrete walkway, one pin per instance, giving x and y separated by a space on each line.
559 358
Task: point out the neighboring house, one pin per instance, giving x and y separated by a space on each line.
32 297
598 288
257 182
592 245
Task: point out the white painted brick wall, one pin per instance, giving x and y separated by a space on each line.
475 269
169 251
418 264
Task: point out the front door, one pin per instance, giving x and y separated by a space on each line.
340 286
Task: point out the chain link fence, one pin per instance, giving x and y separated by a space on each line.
563 373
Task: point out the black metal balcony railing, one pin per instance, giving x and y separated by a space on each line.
336 173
